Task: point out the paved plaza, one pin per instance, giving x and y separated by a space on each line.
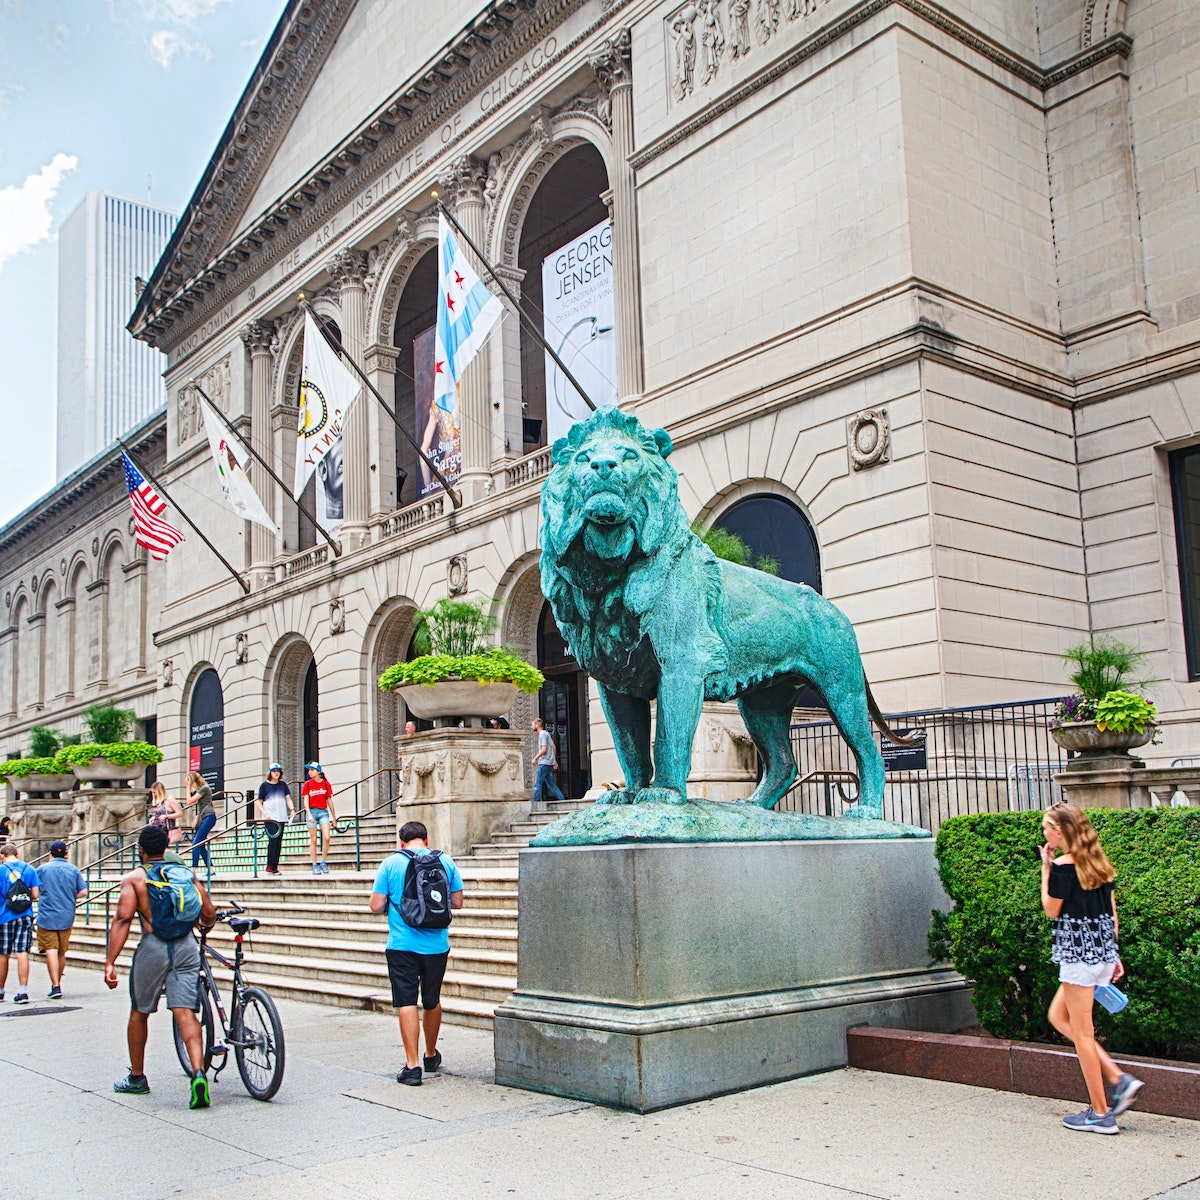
341 1127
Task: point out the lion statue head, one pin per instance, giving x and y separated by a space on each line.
611 485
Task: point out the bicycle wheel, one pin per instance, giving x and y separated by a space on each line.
206 1026
258 1046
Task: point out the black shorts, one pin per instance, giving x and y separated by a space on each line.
408 971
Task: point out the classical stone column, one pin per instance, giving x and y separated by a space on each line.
465 184
613 68
66 644
37 627
258 336
506 375
379 362
135 575
349 268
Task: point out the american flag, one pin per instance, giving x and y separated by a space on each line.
157 535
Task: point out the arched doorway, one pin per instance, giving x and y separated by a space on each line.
206 729
413 339
297 710
563 707
566 205
774 528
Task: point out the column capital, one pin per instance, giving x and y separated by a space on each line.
465 180
378 357
613 61
348 268
259 336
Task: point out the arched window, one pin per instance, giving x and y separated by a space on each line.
563 707
415 320
206 729
566 204
775 529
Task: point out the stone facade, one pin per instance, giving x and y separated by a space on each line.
931 274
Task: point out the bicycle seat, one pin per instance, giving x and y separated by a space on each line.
243 924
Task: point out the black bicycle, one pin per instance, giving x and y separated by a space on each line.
252 1029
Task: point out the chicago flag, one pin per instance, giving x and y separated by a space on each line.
466 312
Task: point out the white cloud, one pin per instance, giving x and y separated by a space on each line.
25 215
162 12
166 45
56 37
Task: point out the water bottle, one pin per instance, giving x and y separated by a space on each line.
1111 997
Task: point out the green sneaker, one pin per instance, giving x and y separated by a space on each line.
132 1085
200 1098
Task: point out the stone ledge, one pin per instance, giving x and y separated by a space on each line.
1031 1068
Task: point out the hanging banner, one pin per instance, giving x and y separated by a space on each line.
437 425
577 300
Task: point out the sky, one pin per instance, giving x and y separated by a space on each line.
123 96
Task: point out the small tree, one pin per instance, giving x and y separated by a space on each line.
43 742
734 549
1103 665
106 723
454 627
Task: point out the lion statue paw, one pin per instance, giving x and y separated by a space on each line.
660 795
860 812
617 796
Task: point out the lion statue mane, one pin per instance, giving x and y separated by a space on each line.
652 614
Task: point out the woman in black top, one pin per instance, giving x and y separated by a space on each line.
1077 894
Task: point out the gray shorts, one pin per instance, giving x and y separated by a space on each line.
155 962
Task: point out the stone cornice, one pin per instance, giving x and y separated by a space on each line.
939 18
505 31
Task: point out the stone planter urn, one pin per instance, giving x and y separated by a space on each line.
39 784
101 770
458 698
1093 745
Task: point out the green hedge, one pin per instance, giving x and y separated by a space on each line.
998 936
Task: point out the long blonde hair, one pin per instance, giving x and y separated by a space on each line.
158 792
196 780
1079 838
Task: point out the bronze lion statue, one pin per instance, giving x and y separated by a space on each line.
651 614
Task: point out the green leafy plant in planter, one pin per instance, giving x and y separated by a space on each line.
1103 675
43 742
121 754
106 723
734 549
451 636
22 768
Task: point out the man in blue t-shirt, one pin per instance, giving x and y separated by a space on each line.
62 886
416 958
16 927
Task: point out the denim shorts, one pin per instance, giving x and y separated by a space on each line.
1086 974
317 816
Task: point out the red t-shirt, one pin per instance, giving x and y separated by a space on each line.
316 792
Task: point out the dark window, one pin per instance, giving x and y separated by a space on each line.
312 715
775 528
1185 494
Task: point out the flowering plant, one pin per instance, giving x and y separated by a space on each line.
1107 694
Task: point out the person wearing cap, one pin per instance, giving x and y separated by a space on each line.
16 922
276 808
317 795
62 887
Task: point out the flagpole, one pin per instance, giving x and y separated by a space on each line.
266 466
521 314
344 356
162 491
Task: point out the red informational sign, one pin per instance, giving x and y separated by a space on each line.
193 758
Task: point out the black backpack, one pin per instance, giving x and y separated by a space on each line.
17 896
425 901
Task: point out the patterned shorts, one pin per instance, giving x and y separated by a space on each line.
16 936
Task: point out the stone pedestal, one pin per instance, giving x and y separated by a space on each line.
463 784
1127 783
724 760
38 820
103 818
653 975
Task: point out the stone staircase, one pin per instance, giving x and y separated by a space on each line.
320 942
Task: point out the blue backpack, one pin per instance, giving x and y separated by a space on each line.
174 900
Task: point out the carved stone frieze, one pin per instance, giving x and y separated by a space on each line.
683 35
868 438
217 383
456 574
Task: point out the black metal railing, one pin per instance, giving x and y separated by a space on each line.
991 758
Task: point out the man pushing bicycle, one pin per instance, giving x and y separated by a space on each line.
170 901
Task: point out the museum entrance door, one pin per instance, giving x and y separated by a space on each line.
312 719
563 707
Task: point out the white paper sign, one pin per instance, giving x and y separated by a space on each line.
577 299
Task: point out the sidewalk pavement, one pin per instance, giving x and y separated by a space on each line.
341 1128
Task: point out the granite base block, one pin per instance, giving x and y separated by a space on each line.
657 975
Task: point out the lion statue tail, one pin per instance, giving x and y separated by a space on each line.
914 739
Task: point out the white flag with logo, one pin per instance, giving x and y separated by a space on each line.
327 389
231 459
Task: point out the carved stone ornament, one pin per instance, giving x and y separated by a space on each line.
539 126
465 180
241 648
613 61
62 567
456 575
683 51
95 545
337 615
168 672
217 383
349 268
869 438
258 336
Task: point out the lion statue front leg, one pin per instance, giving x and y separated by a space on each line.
629 719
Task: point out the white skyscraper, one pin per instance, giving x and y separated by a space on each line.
107 382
